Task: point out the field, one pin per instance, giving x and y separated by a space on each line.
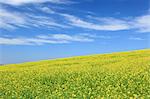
116 75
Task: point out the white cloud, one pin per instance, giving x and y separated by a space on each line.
13 41
142 23
27 41
11 19
79 38
45 39
17 19
107 24
97 36
14 19
136 38
47 10
21 2
65 37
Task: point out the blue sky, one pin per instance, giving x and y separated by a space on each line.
34 30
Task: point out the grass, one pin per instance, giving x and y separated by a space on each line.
116 75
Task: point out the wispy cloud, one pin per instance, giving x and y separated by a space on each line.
47 10
21 2
14 20
136 38
45 39
10 19
79 38
92 35
106 24
142 23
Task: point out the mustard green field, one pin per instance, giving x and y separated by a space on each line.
116 75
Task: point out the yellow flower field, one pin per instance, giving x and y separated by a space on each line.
116 75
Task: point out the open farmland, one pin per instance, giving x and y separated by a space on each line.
123 74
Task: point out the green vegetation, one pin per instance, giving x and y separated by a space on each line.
124 75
